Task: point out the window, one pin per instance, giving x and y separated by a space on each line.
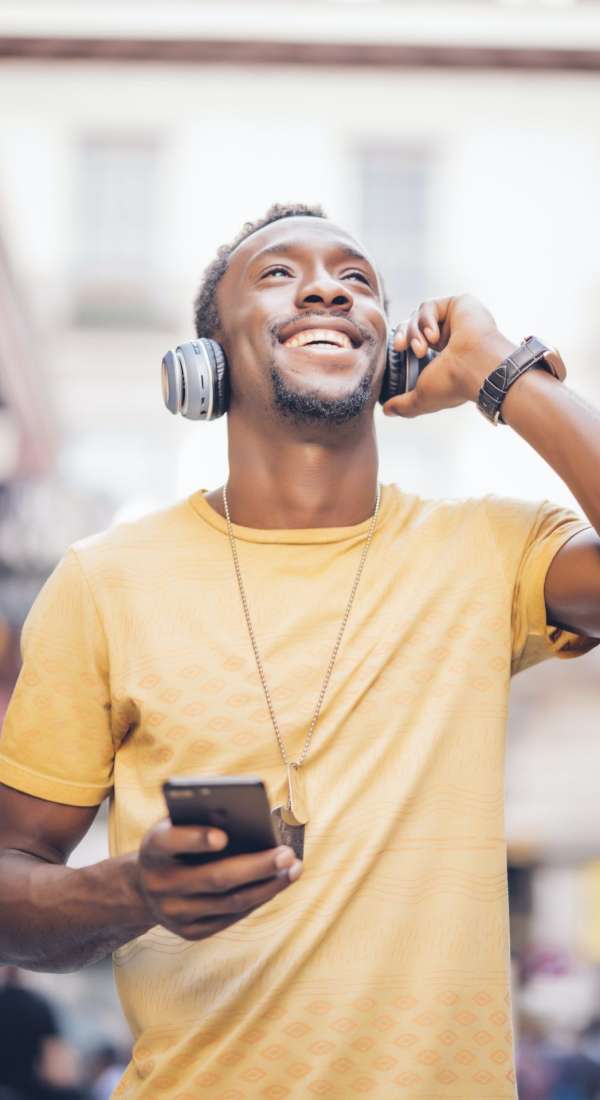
394 206
115 231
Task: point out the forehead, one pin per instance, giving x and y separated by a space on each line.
299 234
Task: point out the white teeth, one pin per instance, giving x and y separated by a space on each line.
322 335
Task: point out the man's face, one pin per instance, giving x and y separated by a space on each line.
303 322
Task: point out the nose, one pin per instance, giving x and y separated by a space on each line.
323 289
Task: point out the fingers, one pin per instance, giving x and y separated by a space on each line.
424 328
407 405
194 900
400 340
434 391
219 877
166 841
199 917
237 902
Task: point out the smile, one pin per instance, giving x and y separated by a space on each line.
319 337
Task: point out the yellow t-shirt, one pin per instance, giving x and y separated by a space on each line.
384 970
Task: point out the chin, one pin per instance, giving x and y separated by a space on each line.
320 402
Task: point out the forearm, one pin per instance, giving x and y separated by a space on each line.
58 918
563 429
554 420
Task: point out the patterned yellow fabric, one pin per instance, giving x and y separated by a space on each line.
384 971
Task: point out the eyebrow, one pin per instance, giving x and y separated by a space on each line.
288 247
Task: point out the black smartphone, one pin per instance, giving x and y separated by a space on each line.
236 804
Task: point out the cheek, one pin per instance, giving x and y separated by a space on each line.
251 330
248 352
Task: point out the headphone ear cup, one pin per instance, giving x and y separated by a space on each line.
194 380
402 370
394 378
172 382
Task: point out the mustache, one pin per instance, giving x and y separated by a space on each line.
318 315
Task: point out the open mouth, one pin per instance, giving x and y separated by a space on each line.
318 338
325 334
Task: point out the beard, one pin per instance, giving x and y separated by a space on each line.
306 407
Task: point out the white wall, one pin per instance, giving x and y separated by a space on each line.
512 218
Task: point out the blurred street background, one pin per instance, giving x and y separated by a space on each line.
461 143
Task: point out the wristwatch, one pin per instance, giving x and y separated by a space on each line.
530 353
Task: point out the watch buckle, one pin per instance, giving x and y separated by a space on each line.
554 360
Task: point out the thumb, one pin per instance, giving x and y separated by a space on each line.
406 404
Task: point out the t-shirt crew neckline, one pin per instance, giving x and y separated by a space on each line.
200 505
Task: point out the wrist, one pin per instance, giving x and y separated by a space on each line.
140 915
528 387
490 354
531 353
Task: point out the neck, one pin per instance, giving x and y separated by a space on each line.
282 479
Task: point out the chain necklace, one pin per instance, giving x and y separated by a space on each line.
292 817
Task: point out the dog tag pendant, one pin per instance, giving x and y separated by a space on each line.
292 818
292 835
296 807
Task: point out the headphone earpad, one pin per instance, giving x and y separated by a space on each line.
221 378
172 382
195 380
394 378
402 370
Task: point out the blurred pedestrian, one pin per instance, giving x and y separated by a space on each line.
36 1063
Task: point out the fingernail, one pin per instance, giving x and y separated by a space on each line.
295 871
416 345
430 333
284 858
216 838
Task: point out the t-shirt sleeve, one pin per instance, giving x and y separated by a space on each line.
538 533
56 739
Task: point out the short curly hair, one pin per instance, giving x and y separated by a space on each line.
206 316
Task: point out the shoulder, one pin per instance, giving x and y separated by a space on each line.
509 523
148 537
409 510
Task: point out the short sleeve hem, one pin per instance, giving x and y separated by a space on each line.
35 783
552 640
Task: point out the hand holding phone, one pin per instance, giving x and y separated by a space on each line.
236 804
236 874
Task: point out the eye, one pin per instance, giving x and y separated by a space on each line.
275 271
360 275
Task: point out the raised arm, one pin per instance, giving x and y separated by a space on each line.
562 427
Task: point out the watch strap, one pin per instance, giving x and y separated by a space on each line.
495 387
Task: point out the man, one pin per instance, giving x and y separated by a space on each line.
383 969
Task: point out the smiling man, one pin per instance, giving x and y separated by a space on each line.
350 644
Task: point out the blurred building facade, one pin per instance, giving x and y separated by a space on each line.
460 142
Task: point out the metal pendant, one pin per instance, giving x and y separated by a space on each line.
292 818
297 809
292 835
